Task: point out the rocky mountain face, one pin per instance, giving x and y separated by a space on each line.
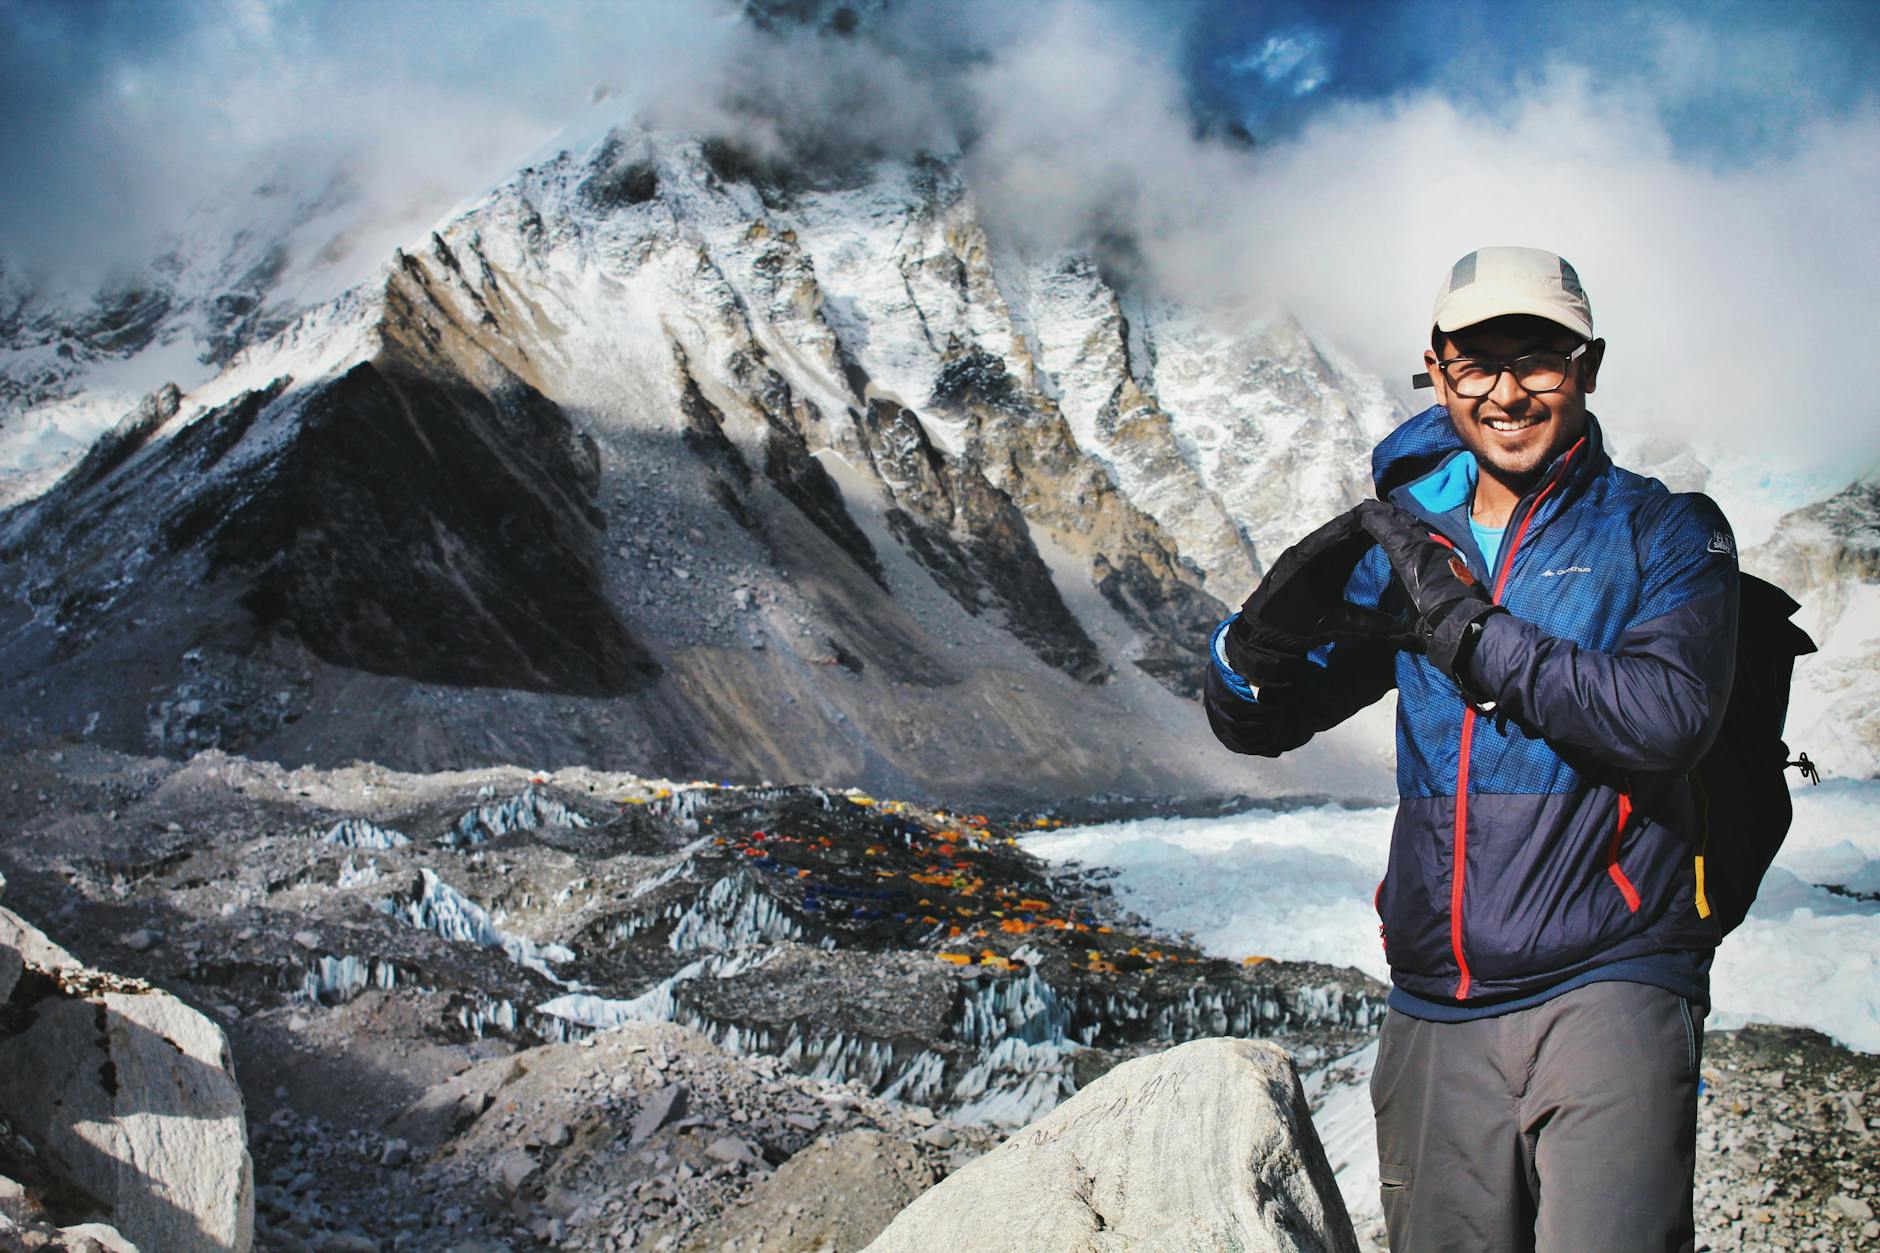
245 267
1828 557
660 455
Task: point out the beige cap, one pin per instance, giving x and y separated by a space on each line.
1495 282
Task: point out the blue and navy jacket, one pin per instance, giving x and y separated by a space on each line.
1547 832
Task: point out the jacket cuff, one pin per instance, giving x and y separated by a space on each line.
1455 638
1217 657
1478 670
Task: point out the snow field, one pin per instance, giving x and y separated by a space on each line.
1291 885
1298 885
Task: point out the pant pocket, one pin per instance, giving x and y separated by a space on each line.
1394 1043
1393 1191
1693 1037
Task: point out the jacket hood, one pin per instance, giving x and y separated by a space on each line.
1422 442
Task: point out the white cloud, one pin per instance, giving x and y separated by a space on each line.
1297 61
1737 302
1737 297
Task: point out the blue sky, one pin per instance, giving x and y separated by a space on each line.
1710 167
1731 80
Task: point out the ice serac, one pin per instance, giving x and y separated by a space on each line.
1114 1168
129 1096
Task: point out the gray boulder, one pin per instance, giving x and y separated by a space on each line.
10 967
130 1092
836 1194
1208 1146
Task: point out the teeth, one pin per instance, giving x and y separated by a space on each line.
1509 424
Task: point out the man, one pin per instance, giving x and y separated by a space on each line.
1562 652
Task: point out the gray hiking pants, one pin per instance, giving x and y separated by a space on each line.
1571 1126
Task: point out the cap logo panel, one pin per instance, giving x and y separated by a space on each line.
1463 274
1571 280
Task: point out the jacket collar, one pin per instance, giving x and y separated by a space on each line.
1425 450
1422 466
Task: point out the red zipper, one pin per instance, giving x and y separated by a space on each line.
1612 856
1460 855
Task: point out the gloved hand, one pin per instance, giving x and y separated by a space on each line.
1448 604
1301 604
1266 657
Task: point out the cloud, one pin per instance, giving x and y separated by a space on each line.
1734 299
124 120
1296 61
1710 172
1737 294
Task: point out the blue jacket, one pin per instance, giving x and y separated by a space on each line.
1552 831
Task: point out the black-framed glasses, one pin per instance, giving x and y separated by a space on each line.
1537 372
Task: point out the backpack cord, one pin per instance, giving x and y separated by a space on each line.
1807 768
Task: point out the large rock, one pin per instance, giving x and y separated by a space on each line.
131 1092
10 968
835 1195
1207 1146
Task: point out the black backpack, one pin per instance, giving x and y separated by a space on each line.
1742 782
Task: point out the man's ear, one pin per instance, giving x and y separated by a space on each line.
1437 378
1589 366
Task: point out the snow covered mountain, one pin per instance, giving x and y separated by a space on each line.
663 455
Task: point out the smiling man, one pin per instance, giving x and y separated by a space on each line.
1561 636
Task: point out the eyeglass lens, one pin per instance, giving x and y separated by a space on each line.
1537 372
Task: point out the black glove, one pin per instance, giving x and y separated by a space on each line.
1300 604
1448 604
1267 658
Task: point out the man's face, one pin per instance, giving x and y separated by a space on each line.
1515 434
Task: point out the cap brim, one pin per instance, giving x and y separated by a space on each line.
1460 313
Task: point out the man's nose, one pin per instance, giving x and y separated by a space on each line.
1506 392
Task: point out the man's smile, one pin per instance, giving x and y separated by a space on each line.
1506 424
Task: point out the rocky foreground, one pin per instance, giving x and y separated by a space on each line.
505 1010
599 1011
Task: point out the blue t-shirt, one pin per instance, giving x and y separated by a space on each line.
1488 539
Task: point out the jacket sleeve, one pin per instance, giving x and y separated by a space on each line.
1345 676
1656 700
